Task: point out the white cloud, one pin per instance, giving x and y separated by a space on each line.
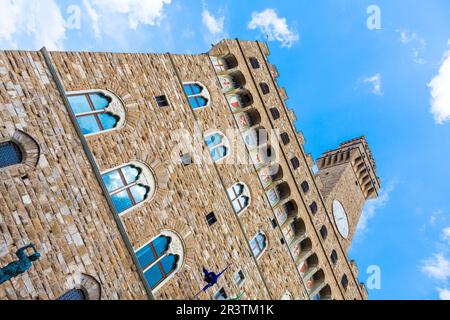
274 27
440 92
418 44
149 12
375 81
371 207
444 294
93 15
437 267
214 25
446 234
42 21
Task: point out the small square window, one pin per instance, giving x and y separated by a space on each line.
239 277
285 138
186 159
211 218
221 295
162 101
275 113
274 223
282 241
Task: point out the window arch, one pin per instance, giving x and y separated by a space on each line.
223 63
73 294
129 185
264 87
258 244
313 207
97 110
10 154
231 81
305 186
161 258
240 197
275 113
344 281
334 257
324 232
218 145
197 94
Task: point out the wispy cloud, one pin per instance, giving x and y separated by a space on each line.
372 206
376 83
417 43
436 267
444 294
446 234
274 27
149 12
213 24
440 92
41 21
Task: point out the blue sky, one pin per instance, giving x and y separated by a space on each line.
343 80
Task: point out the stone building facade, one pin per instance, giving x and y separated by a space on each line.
132 172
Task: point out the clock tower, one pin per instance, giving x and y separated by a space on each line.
347 177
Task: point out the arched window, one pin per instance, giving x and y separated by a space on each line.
324 232
240 197
129 185
334 257
10 154
197 94
344 281
232 81
295 163
74 294
96 110
258 244
254 62
305 186
285 138
275 113
224 63
313 208
218 146
161 258
264 87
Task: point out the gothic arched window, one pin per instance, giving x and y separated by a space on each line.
160 258
129 185
10 154
258 244
218 145
96 110
240 197
197 94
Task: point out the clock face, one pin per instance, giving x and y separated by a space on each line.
340 217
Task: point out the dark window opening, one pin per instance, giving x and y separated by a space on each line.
264 87
285 138
254 63
186 159
282 241
10 154
324 232
295 163
313 207
211 218
162 101
275 113
344 281
334 257
274 223
305 186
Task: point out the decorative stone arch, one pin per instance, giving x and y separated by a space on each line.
131 106
176 247
158 168
246 192
203 93
225 142
28 147
89 286
147 178
116 107
224 63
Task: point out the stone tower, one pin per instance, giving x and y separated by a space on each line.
348 179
